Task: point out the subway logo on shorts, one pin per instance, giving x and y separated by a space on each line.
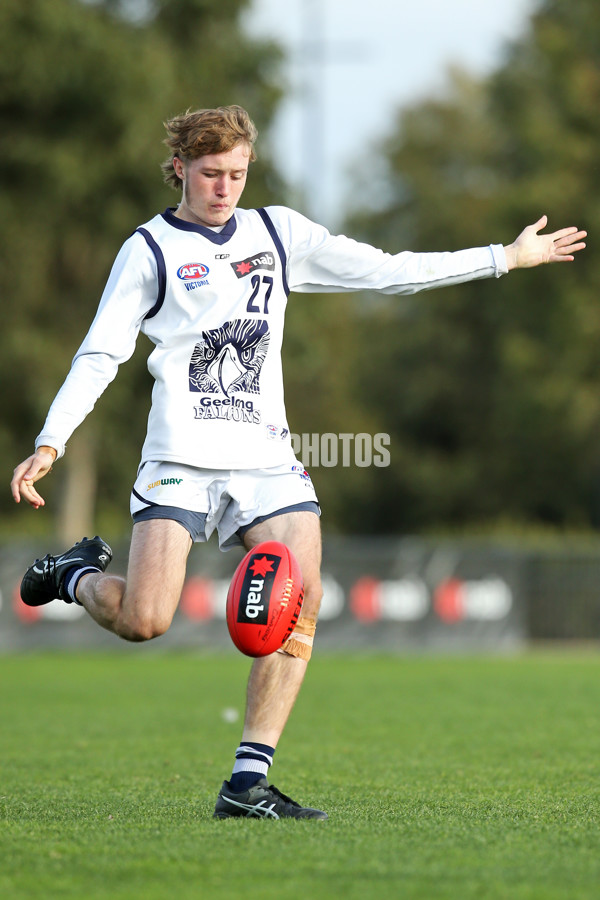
163 481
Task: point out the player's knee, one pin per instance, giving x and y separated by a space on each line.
311 604
141 628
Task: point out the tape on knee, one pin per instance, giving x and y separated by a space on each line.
300 641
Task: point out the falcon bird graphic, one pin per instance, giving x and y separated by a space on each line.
229 359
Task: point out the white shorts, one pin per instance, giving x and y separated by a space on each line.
230 500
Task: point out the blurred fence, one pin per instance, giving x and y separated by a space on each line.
391 595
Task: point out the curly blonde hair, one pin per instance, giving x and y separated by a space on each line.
206 131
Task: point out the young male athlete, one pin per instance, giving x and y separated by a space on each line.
208 283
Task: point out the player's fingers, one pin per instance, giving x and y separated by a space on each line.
573 248
566 255
24 476
17 480
567 246
27 491
573 240
567 235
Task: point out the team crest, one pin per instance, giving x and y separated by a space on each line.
229 359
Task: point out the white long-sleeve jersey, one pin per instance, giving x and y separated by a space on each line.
213 304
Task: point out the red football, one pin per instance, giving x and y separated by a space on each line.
264 599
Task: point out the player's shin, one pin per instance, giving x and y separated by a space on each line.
300 642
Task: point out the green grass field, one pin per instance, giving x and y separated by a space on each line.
443 778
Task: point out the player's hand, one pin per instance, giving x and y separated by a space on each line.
30 471
533 249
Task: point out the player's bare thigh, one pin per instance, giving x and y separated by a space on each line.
301 532
155 575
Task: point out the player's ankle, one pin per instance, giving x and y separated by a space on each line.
252 762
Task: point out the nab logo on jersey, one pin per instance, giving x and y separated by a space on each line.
192 271
264 260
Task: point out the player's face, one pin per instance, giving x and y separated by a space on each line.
212 185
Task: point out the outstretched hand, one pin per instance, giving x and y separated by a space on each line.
30 471
533 249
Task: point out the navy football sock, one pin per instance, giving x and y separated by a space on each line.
252 763
72 578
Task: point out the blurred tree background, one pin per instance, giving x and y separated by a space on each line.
490 392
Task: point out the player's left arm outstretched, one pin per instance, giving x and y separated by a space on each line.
534 249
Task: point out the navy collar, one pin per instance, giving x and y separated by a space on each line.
217 237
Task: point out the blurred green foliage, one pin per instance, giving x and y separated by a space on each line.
491 391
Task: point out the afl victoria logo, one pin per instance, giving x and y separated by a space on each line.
192 271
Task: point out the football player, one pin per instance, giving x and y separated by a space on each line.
208 283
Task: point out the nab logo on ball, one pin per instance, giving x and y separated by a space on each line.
258 581
264 599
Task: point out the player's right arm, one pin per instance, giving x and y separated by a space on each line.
129 294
